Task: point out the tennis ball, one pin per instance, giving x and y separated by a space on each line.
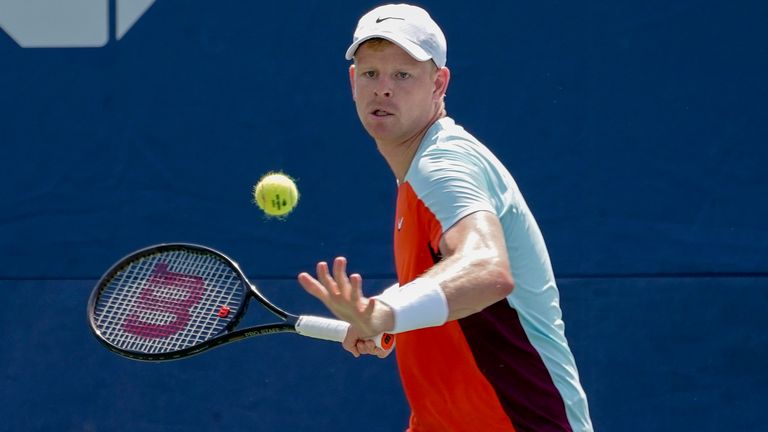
276 194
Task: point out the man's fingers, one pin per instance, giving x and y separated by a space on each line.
360 345
324 276
366 346
369 307
350 344
356 281
382 353
340 274
312 286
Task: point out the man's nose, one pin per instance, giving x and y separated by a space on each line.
384 88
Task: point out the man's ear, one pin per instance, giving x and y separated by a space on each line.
352 79
441 82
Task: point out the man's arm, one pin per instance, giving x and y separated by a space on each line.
473 275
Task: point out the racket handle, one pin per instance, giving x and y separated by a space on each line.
335 330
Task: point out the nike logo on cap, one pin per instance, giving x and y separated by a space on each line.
380 19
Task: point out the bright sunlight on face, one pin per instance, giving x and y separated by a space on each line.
395 94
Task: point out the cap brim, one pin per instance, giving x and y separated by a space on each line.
411 48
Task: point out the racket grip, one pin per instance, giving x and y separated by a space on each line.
335 330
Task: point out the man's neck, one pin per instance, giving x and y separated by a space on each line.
399 154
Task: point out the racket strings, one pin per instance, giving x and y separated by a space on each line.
168 301
198 327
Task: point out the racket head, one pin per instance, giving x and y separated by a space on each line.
167 301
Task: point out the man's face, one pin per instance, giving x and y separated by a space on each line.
396 96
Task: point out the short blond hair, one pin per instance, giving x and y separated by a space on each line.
378 44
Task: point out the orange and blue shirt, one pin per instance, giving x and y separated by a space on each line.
508 367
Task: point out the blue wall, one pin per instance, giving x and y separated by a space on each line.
637 132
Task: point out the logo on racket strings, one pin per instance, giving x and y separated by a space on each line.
165 294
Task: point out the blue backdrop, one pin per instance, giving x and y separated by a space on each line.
636 131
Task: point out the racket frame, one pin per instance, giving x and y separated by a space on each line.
227 335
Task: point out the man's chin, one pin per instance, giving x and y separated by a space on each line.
379 132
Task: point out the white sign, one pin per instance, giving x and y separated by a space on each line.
68 23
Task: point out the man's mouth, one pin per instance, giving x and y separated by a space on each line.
381 113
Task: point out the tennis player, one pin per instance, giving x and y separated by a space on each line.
480 337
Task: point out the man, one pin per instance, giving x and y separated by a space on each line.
480 340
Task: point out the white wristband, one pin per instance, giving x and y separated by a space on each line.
392 288
418 304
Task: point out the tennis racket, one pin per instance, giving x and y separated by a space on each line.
171 301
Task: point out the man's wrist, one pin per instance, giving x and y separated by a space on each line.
418 304
383 317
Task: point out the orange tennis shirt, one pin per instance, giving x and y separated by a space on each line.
508 367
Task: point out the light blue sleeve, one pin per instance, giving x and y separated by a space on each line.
451 181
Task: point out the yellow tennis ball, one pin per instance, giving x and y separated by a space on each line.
276 194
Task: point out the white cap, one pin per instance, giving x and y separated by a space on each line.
410 27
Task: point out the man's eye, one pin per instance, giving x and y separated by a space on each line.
402 75
369 74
